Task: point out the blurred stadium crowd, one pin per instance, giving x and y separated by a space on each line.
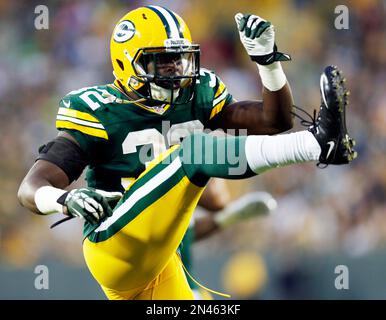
338 208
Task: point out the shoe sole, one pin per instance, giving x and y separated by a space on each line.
336 78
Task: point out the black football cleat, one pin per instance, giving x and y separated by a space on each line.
330 128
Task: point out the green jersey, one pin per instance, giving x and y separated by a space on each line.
120 136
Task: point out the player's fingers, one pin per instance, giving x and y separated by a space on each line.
250 22
243 22
109 195
100 210
92 202
88 217
262 27
238 17
91 210
254 28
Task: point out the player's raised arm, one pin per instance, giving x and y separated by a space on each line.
273 114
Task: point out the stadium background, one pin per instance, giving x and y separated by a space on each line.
325 218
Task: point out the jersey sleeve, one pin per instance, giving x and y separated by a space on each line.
78 119
213 95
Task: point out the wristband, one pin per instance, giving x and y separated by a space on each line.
272 76
46 199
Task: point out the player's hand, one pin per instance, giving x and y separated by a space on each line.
258 38
90 204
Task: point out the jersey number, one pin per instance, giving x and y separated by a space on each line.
154 138
101 95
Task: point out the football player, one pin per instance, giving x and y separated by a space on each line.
159 96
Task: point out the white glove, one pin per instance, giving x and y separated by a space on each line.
258 38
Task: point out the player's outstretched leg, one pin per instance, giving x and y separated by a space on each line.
326 141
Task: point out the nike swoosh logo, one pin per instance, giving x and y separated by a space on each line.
67 103
323 80
331 144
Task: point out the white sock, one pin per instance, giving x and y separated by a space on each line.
265 152
272 76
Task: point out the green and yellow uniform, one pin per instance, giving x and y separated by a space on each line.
133 253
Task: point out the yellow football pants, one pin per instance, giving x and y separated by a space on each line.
132 254
171 283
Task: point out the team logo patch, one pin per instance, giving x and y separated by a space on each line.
124 31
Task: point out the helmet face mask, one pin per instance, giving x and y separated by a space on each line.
165 69
153 62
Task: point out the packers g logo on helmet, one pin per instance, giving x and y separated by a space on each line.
153 56
124 31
